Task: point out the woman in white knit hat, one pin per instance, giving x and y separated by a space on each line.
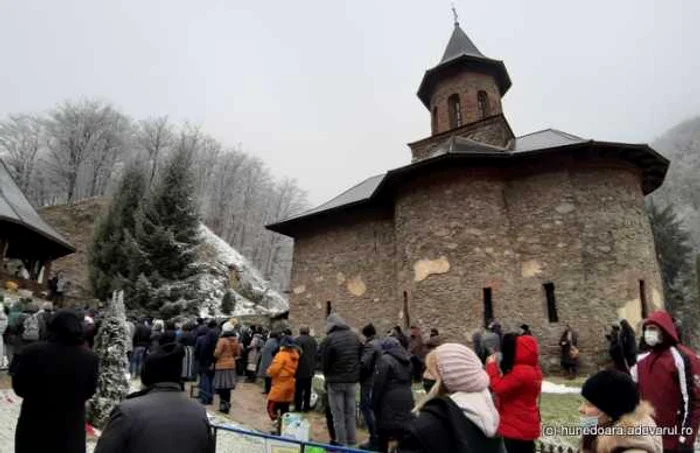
458 414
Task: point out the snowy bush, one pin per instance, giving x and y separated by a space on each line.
110 346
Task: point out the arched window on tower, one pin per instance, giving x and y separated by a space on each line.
455 109
434 120
483 103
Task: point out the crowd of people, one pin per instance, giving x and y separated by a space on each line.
480 398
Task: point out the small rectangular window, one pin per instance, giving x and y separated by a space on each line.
551 302
406 315
488 306
643 298
329 309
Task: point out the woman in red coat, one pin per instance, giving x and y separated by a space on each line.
516 386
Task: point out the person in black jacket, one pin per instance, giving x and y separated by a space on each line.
142 339
160 417
188 340
392 398
55 378
458 415
340 358
204 354
629 343
615 350
305 370
371 352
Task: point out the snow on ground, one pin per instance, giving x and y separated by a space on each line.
559 389
213 282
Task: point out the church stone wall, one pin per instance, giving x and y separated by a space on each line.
350 263
582 228
578 225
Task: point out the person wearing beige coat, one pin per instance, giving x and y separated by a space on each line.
612 405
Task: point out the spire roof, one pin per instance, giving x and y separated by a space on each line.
462 55
460 44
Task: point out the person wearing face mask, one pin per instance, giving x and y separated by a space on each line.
668 377
612 402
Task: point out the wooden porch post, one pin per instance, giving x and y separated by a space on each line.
47 273
4 243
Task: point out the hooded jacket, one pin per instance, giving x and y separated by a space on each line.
462 422
669 378
392 398
517 392
283 371
340 352
633 439
55 378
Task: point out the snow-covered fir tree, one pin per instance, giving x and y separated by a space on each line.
110 346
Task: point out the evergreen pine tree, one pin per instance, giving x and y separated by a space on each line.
167 232
673 249
110 258
110 346
675 256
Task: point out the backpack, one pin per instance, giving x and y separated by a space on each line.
31 328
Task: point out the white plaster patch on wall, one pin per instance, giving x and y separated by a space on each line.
356 286
422 269
565 208
340 278
632 312
319 279
657 299
299 289
530 269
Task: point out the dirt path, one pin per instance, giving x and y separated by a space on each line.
248 409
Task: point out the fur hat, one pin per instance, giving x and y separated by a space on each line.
612 392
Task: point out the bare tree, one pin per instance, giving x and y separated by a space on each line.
77 132
78 149
155 137
21 137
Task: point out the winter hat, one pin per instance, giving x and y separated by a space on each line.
612 392
460 369
390 343
227 327
287 342
163 365
369 330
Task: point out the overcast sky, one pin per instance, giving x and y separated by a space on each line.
324 90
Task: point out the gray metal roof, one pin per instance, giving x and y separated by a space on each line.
360 192
16 208
460 44
547 138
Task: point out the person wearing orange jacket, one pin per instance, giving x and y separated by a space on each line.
282 371
516 386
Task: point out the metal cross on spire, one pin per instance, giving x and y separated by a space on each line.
454 13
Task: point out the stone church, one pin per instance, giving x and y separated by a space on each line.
546 229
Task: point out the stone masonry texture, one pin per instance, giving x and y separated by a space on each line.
578 225
466 85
